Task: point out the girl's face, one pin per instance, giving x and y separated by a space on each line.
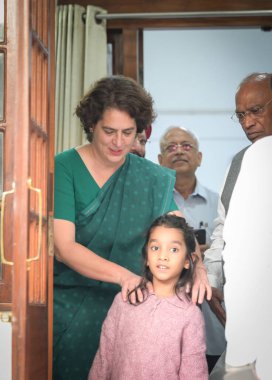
113 136
166 258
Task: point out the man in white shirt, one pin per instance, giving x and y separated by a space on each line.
179 149
254 113
248 270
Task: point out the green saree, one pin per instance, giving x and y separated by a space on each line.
112 223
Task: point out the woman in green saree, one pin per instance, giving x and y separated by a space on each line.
105 199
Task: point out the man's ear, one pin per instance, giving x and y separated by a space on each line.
199 158
160 159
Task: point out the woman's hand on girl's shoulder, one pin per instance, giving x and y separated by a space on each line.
130 284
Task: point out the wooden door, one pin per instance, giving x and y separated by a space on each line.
27 128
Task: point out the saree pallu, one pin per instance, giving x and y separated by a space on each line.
113 226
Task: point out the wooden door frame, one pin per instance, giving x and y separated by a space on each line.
20 128
126 35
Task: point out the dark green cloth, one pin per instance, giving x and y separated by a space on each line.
112 222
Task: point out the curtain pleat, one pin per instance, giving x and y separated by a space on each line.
81 53
95 47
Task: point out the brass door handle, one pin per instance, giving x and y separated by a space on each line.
39 193
4 195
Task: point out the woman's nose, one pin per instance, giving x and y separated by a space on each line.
118 140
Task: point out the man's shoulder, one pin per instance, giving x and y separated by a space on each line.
240 154
208 193
212 194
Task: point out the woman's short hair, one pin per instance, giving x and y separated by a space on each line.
118 92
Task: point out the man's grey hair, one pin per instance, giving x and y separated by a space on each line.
163 138
256 77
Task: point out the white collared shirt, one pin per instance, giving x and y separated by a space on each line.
199 209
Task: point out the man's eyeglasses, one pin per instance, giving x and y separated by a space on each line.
255 111
173 147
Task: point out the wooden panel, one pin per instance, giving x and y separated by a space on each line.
50 181
8 47
122 6
37 339
130 46
127 43
27 128
36 344
20 129
115 38
38 160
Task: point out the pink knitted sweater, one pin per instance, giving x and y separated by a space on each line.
160 339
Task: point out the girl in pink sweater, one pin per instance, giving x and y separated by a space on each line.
161 338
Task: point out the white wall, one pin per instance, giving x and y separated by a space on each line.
192 76
5 350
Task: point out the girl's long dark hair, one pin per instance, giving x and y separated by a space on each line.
186 275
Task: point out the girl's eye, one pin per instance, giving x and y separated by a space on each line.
174 250
154 248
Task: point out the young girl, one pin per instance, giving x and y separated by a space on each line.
161 338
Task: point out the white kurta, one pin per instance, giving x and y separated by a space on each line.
248 262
